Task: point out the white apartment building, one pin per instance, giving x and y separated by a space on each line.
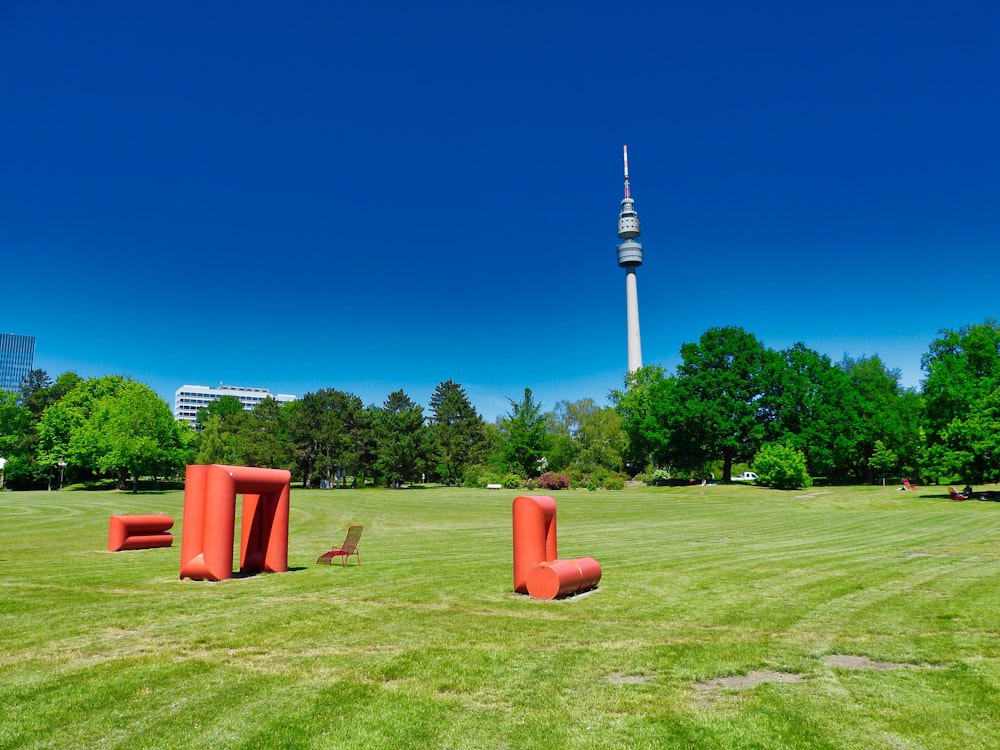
189 399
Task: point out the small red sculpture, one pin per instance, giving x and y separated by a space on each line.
139 532
537 571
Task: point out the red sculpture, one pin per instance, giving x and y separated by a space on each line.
210 517
537 571
139 532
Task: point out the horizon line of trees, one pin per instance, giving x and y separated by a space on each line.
729 398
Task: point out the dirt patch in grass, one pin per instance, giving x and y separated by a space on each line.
748 680
709 692
851 661
622 678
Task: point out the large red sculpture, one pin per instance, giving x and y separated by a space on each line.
139 532
537 571
210 517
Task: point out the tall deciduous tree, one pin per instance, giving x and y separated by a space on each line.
62 421
15 431
806 394
131 432
585 436
718 410
963 375
601 439
643 436
38 393
882 410
969 446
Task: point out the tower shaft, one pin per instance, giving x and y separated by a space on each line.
632 320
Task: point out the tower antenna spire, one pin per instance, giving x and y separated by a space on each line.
625 153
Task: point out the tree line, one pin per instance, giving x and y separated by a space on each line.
730 403
731 397
83 430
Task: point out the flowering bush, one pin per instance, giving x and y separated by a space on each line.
552 481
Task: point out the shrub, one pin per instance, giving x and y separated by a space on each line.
653 476
511 481
781 467
614 482
552 481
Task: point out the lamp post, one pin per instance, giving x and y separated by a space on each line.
62 466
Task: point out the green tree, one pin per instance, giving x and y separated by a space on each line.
563 428
525 440
221 438
400 439
586 438
132 432
263 439
717 410
35 388
602 440
883 460
805 396
633 403
971 442
61 424
456 430
38 392
963 373
882 410
224 407
15 431
328 431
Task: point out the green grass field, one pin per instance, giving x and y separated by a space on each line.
727 617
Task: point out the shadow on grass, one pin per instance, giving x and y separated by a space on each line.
109 485
241 575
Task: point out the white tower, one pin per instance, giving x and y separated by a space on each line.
630 258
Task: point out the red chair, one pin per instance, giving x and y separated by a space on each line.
348 548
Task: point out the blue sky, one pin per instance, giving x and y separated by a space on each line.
388 195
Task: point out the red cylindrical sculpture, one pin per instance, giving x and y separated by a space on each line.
210 517
139 532
534 536
537 571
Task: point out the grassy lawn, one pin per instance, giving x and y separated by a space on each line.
727 617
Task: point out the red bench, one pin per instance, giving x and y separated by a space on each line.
139 532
